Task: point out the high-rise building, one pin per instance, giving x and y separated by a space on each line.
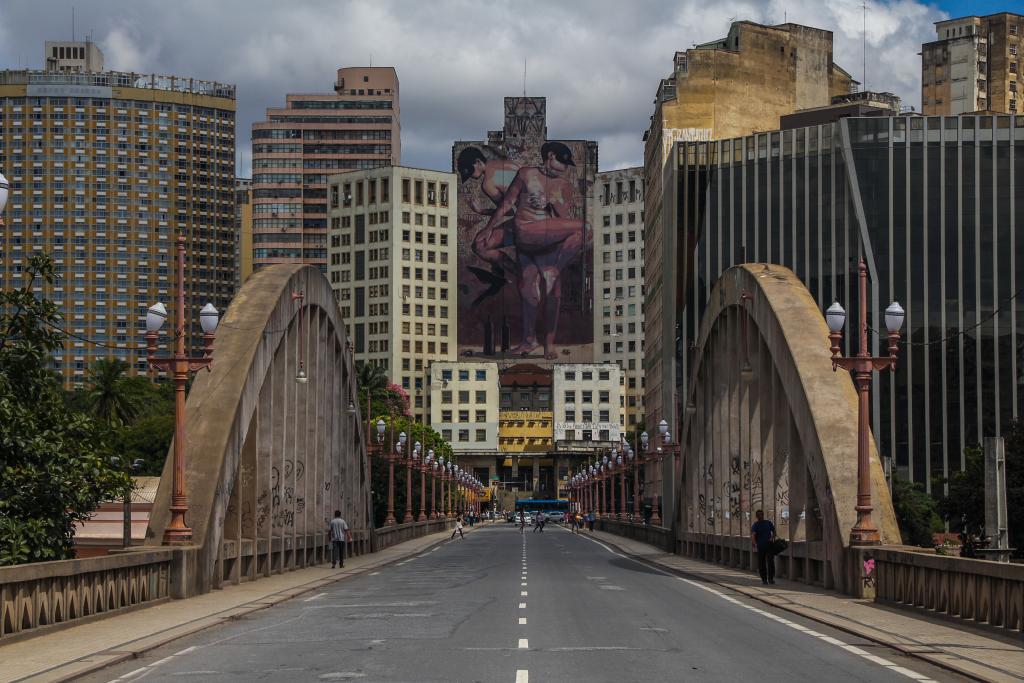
392 247
300 145
973 65
106 169
525 266
619 272
734 86
933 206
243 231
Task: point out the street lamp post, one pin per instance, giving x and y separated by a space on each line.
393 455
179 366
430 467
861 367
423 485
622 486
667 447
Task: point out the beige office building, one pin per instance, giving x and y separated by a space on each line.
392 250
587 398
464 405
973 65
106 170
302 144
726 88
619 269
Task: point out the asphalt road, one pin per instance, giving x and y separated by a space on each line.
505 606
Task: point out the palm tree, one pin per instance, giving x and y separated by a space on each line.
371 377
112 397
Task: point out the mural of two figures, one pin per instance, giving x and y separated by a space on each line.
525 243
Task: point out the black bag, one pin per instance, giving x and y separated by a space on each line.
778 546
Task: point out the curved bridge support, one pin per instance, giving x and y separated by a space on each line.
768 425
268 458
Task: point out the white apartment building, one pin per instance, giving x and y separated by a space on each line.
619 270
391 249
588 399
464 404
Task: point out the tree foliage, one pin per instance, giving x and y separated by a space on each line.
916 512
963 507
113 397
54 461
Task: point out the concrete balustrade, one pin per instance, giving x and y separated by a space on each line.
49 594
978 591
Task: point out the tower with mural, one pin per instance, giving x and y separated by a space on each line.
525 243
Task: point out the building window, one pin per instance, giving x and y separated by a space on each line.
463 375
481 375
463 435
570 375
463 397
481 397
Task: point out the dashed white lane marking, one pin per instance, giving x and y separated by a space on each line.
522 676
524 644
852 649
522 593
315 597
523 583
522 605
522 621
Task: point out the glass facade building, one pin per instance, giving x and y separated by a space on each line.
933 204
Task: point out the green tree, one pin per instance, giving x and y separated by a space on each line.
963 507
916 512
112 396
54 462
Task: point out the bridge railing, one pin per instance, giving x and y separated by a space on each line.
34 596
979 591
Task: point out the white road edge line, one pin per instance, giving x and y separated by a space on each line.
853 649
315 597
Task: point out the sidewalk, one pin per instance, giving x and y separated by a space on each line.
77 650
965 650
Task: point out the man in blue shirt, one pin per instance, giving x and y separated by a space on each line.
762 533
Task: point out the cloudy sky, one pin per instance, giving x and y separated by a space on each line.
597 61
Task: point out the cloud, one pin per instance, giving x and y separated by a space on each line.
598 62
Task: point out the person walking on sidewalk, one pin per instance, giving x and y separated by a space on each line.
339 532
590 521
457 529
762 533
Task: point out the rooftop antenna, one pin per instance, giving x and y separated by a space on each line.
72 23
524 77
371 60
864 42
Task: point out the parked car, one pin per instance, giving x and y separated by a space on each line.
556 516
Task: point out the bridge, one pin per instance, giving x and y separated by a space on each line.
767 425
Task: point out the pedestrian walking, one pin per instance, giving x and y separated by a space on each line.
522 522
538 522
457 529
590 521
762 533
338 530
574 522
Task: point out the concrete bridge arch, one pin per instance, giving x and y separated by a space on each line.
768 425
270 458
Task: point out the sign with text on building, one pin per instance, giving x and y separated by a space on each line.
63 90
